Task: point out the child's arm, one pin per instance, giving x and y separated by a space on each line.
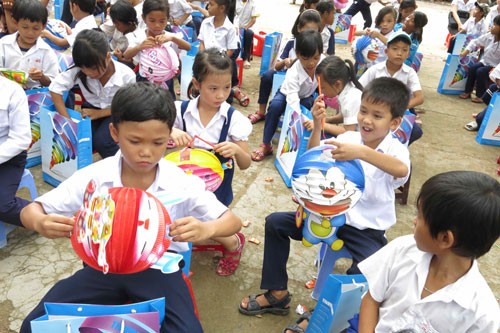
417 99
201 10
131 52
319 114
180 20
239 150
251 23
58 101
33 217
202 46
37 75
368 314
61 42
94 114
180 137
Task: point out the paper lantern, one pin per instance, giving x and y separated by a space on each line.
365 50
325 189
159 64
120 230
59 29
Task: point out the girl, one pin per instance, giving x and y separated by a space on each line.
124 18
309 19
406 8
99 77
297 89
308 4
414 26
218 31
211 118
246 11
338 78
155 14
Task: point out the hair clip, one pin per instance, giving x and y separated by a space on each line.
222 52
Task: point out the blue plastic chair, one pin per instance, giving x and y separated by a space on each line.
27 181
187 259
327 258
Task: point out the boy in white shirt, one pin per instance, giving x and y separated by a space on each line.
180 14
246 16
476 25
82 13
25 50
430 282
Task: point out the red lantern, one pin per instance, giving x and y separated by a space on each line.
120 230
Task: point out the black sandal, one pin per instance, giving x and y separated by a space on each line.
295 328
276 306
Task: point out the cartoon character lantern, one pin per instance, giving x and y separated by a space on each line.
120 230
325 189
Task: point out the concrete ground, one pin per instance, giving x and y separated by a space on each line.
30 264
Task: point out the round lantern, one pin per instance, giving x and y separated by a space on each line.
365 50
159 63
120 230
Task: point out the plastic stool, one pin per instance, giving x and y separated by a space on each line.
258 44
239 63
447 41
28 182
328 257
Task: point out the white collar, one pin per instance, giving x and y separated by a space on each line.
192 108
12 40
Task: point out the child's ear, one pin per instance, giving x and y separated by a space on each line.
114 132
446 239
395 122
196 84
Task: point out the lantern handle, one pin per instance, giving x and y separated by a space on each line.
199 138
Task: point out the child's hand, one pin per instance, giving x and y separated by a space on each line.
226 149
35 74
55 226
464 53
148 43
346 151
374 34
309 125
162 39
45 33
118 53
190 229
288 62
180 138
91 113
319 109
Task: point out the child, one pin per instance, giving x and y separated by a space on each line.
431 279
475 25
307 4
297 89
494 11
180 14
363 6
414 26
478 73
15 138
386 164
25 50
212 119
218 31
460 11
398 49
338 79
406 8
124 18
143 115
307 20
327 11
246 13
99 77
82 13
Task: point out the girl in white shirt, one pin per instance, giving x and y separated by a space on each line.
124 18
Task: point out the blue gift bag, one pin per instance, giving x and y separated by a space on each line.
270 51
489 132
455 73
37 98
403 132
66 144
461 42
187 62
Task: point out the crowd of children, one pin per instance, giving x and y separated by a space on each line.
134 122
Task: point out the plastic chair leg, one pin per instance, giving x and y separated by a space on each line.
326 268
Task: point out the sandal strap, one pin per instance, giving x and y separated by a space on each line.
252 303
277 303
295 328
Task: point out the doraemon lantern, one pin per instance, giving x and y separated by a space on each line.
325 189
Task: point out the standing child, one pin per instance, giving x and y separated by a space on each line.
143 115
308 4
327 11
338 79
414 26
212 119
478 73
99 77
431 281
363 6
15 138
246 14
298 88
475 25
386 165
25 50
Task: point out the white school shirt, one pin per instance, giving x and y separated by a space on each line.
495 73
325 36
491 55
118 39
350 103
40 56
298 84
239 129
405 74
99 96
376 208
86 23
138 36
472 28
396 276
461 5
223 37
491 15
244 12
67 198
15 130
178 8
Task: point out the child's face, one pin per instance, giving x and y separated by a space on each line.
397 53
123 27
215 9
97 72
409 24
406 12
422 234
495 30
328 18
375 121
309 26
310 63
477 13
142 144
328 90
29 31
156 21
387 24
214 89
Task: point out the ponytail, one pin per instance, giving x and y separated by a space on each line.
352 73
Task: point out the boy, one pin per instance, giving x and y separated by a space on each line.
143 115
246 14
25 50
386 164
15 138
398 49
432 279
327 11
82 13
475 25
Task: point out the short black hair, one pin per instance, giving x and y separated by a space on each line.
90 49
388 91
155 5
325 7
123 11
31 10
87 6
467 203
307 16
142 101
496 20
308 42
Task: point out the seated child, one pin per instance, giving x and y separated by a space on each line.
25 50
246 15
180 14
431 279
82 11
475 25
143 115
327 11
414 26
386 164
15 138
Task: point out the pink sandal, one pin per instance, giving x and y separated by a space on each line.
230 261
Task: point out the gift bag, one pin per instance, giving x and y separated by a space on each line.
343 29
187 62
75 318
339 301
403 132
66 145
489 132
59 29
293 141
417 61
270 51
455 73
37 98
187 32
461 42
